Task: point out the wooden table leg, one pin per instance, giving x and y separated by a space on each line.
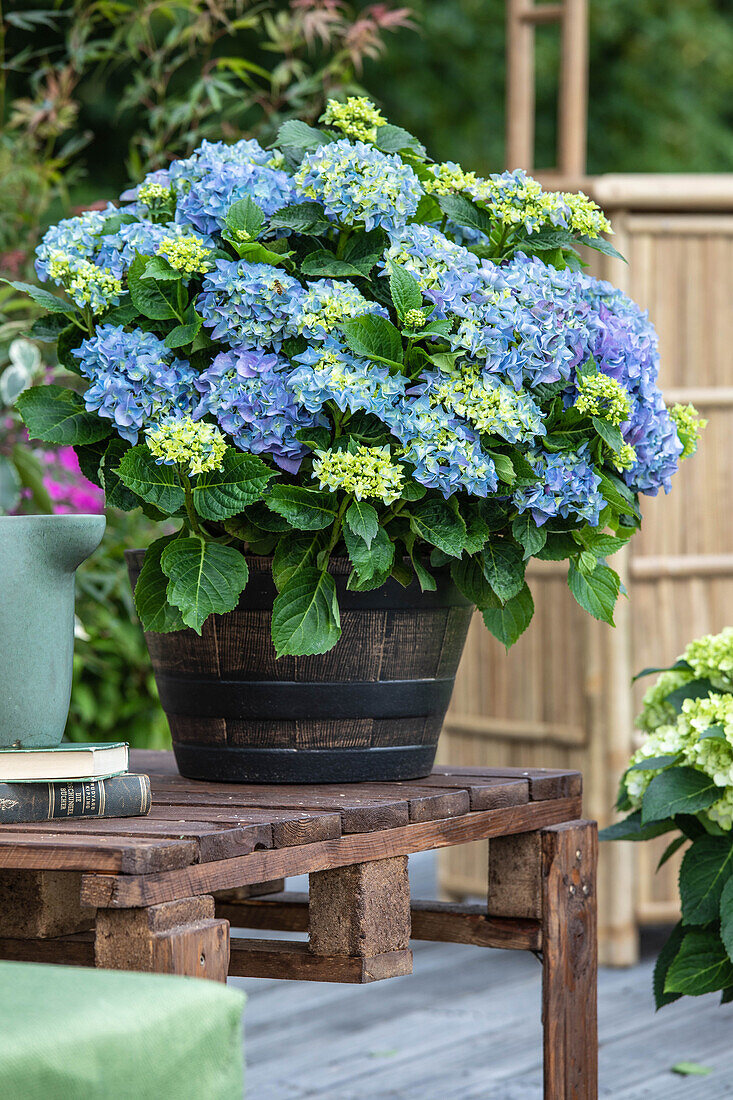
570 960
176 937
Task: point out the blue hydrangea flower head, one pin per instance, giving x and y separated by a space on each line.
73 238
135 379
333 373
205 204
358 185
250 304
247 390
567 486
327 303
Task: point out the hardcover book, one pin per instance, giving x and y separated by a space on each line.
120 796
67 761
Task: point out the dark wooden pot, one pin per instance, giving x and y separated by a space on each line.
370 709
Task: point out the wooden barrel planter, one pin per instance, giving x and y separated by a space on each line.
370 709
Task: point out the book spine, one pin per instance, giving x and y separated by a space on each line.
120 796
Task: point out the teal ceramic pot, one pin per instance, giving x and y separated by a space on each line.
39 556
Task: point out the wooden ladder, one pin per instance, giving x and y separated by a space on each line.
523 17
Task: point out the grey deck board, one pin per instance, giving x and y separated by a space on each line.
466 1026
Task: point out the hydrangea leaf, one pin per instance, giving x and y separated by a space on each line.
504 567
370 562
596 593
653 762
245 216
435 521
205 578
706 868
41 297
305 615
464 212
302 217
469 579
700 966
693 689
664 960
600 244
294 553
153 299
323 263
529 536
57 415
395 139
631 828
374 338
678 791
362 519
608 433
116 493
221 494
508 622
305 509
157 484
405 289
151 600
158 268
47 327
297 135
726 917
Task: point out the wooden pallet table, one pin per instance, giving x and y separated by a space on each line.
160 893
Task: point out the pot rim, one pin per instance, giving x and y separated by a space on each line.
54 517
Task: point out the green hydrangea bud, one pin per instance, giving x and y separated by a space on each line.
690 426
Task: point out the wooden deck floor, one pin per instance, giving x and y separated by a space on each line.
466 1026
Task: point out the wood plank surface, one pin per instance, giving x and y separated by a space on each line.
126 855
146 889
288 829
295 962
490 793
213 840
76 950
544 783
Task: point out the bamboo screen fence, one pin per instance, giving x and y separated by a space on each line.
562 696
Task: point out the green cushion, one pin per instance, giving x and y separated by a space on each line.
110 1035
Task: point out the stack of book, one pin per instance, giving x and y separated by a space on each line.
72 780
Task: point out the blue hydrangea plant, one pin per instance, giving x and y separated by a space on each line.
337 347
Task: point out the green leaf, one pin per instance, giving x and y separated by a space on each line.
323 263
242 480
405 289
608 433
715 733
678 666
726 917
294 553
504 567
618 495
425 578
678 791
701 965
116 493
529 536
9 485
597 593
363 250
187 332
653 762
297 135
304 509
42 297
393 139
151 601
374 338
507 623
206 578
157 484
665 959
435 521
57 415
47 328
669 851
601 543
691 1069
631 828
693 689
600 244
157 267
305 615
706 867
261 515
302 217
464 212
469 579
152 299
372 563
255 253
477 533
362 519
245 216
